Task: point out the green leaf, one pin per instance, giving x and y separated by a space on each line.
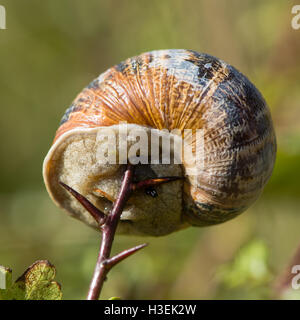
36 283
114 298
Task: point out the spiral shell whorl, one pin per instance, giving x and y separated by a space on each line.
182 89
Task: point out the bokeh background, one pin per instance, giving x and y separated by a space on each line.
52 49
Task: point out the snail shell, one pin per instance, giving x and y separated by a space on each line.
167 89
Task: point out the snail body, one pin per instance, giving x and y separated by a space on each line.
158 91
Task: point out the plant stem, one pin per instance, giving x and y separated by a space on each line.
108 234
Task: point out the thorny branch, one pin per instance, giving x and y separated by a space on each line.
108 225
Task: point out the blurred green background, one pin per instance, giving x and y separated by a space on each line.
52 49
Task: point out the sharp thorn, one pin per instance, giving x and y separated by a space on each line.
98 215
111 262
154 182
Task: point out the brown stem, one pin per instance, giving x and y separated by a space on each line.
108 233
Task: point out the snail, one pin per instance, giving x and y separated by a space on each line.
156 92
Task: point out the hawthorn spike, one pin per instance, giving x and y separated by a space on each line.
97 214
